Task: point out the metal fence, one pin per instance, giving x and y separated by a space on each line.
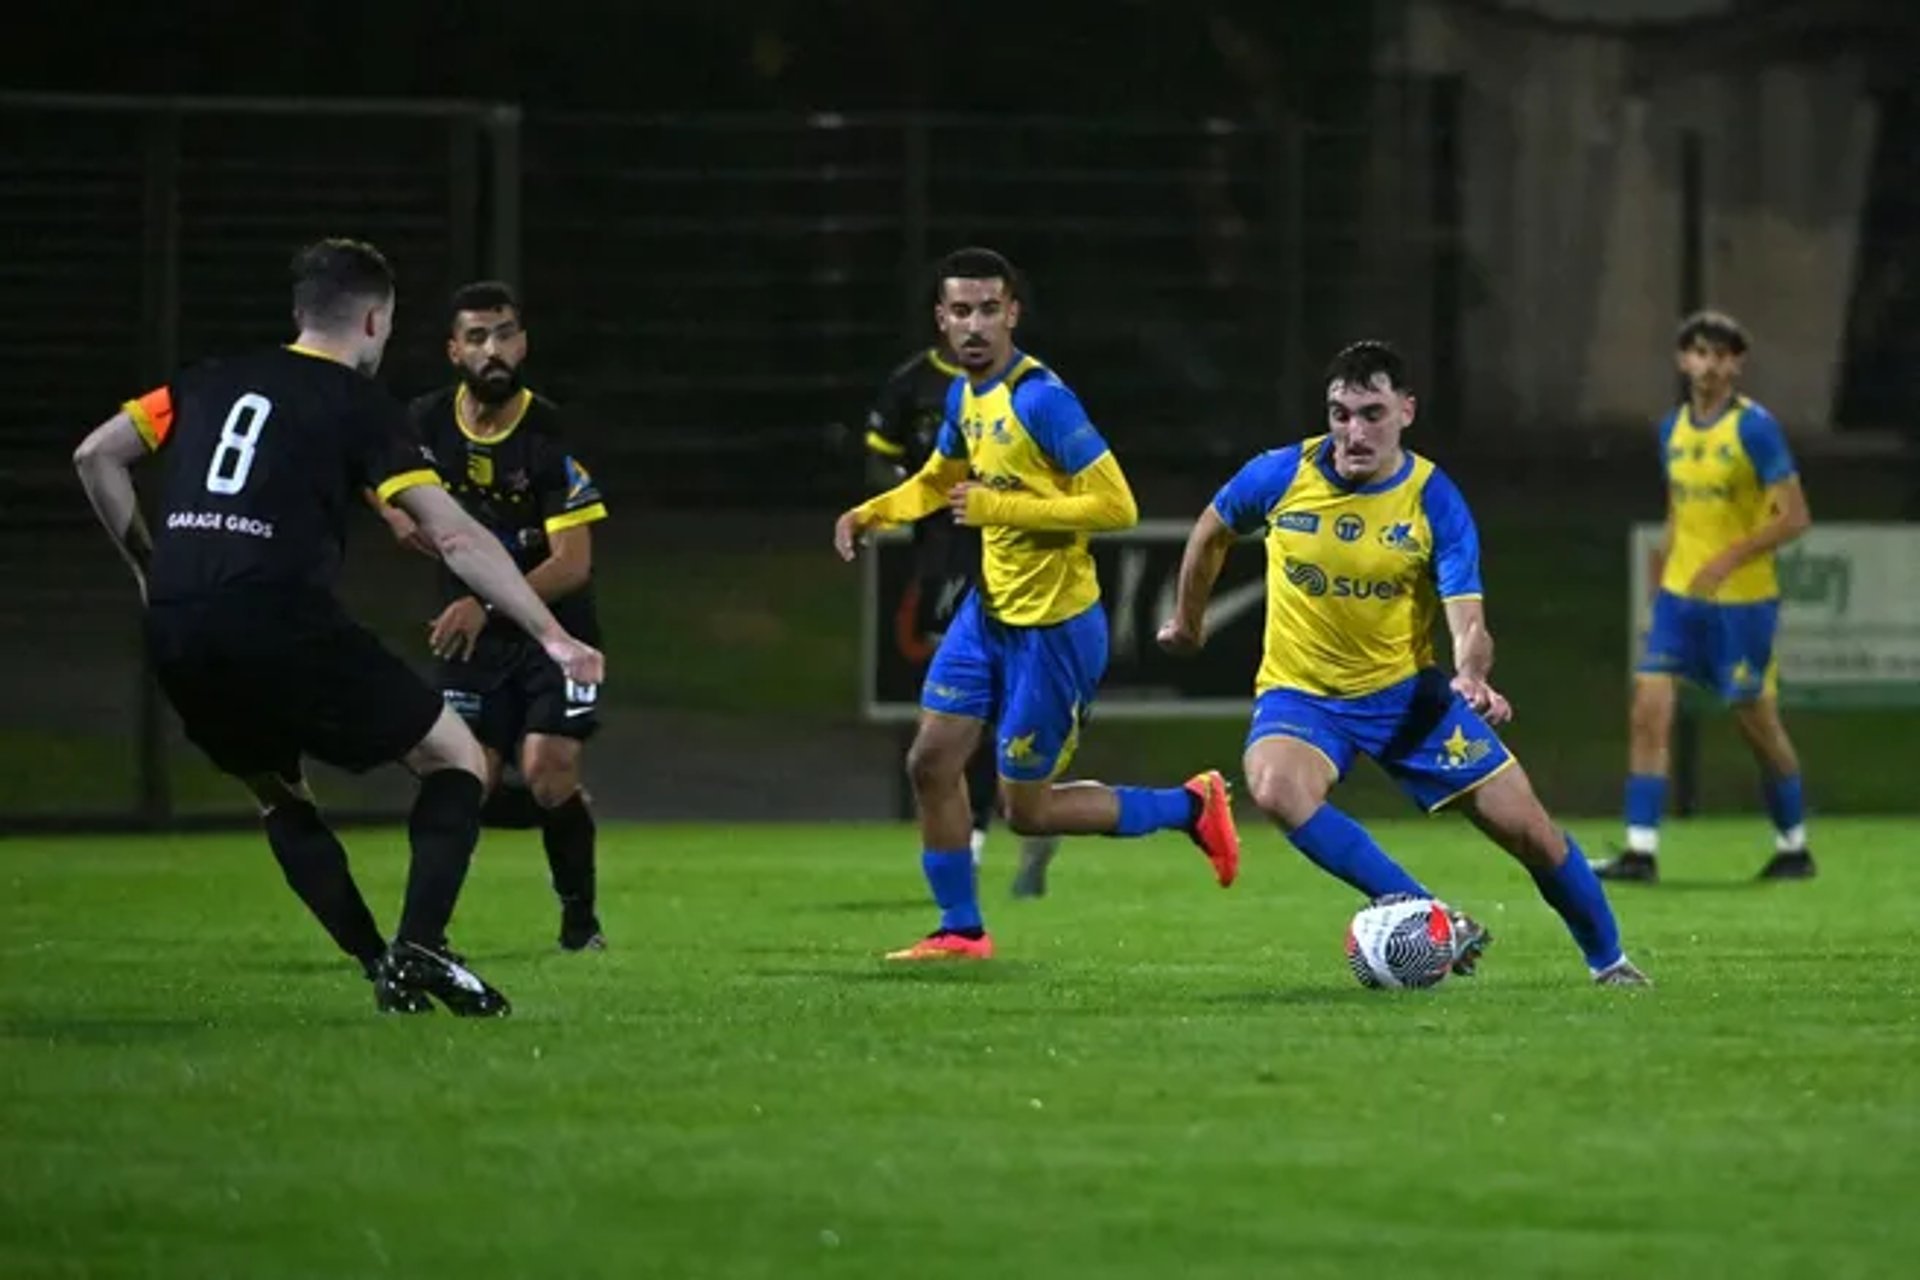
714 298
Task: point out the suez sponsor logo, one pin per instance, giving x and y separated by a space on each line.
1315 581
247 525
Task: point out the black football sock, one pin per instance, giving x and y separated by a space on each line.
567 832
315 865
983 783
443 829
512 806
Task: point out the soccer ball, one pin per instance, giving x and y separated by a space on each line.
1401 941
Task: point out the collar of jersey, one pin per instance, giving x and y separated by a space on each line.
310 353
460 419
1734 405
1323 459
943 364
1013 362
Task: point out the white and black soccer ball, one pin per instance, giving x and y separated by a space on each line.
1401 941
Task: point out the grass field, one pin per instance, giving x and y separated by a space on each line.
1155 1079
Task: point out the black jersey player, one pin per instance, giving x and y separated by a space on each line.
901 428
499 450
263 455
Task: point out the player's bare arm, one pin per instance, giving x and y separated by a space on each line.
401 525
477 557
1101 501
105 462
920 495
568 566
1791 518
1207 546
1473 659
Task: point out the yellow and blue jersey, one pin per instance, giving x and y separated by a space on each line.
1356 574
1026 432
1718 474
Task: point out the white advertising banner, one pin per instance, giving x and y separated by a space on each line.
1849 613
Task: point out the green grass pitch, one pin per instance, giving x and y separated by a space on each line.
1155 1079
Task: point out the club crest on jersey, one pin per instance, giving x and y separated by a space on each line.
1349 527
1298 521
579 483
1399 536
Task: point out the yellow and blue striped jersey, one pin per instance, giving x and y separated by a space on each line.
1026 432
1355 573
1718 474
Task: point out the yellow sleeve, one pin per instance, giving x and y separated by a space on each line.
1101 500
919 495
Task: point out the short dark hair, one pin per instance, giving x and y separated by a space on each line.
484 295
1717 327
975 263
1358 364
331 276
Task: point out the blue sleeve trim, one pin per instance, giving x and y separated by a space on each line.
950 443
1456 542
1245 501
1667 424
1058 423
1766 445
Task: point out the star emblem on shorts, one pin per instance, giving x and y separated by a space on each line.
1462 750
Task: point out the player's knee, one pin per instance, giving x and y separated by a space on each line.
1026 809
931 765
1284 795
449 744
1652 713
553 784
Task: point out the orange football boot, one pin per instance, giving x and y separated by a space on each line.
1213 830
941 945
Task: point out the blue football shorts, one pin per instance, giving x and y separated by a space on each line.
1430 742
1033 685
1726 648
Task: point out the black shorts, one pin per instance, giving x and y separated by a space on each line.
507 691
262 680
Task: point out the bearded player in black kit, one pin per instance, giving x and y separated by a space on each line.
498 449
263 454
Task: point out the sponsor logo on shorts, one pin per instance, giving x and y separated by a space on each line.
462 703
1461 752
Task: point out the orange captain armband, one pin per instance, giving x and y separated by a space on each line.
152 416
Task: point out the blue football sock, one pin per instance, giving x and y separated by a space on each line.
1646 798
950 875
1144 810
1341 847
1784 803
1573 891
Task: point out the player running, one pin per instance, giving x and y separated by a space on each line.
1366 543
1733 500
497 447
263 454
1017 458
902 428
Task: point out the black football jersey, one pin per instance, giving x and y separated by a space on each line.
902 427
265 454
523 485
